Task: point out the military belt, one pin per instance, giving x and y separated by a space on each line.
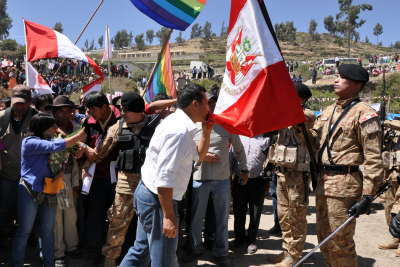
338 168
285 169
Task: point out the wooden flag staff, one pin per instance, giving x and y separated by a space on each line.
78 37
158 61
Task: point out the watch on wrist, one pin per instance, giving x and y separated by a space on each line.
244 171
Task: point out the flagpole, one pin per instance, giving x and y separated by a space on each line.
158 61
84 28
108 55
26 57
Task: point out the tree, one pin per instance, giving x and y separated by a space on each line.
224 30
397 45
150 36
312 29
122 39
179 39
139 40
378 30
21 51
101 41
366 40
91 47
86 44
197 31
380 44
5 20
162 34
58 27
330 25
9 44
208 34
348 19
286 32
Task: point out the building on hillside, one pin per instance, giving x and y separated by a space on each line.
153 55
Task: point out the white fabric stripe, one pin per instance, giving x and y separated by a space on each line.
67 49
255 29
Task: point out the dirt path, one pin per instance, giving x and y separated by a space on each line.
370 231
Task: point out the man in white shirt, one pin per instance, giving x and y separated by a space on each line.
165 176
337 61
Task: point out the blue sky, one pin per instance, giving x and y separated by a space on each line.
121 14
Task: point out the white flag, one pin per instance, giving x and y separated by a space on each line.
108 48
35 81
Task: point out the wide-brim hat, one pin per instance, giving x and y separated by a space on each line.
60 101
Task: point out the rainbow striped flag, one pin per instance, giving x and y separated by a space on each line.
174 14
163 77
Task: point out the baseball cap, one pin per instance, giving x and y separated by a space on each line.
20 94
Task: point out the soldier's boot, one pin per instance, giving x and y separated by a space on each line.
393 244
287 262
277 258
109 262
397 252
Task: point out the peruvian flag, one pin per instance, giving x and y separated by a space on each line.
257 94
93 86
43 42
35 80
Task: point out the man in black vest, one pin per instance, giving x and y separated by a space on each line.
14 122
132 137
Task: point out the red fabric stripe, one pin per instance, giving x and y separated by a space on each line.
95 67
88 87
236 7
41 41
270 103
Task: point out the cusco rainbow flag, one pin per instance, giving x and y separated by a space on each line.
174 14
162 80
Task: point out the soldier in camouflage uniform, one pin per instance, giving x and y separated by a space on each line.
121 212
293 185
391 163
355 140
394 226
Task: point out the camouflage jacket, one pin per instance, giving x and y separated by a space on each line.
355 141
126 181
391 136
297 139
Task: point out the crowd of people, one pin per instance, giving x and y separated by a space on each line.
130 167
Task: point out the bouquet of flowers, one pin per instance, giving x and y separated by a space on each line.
58 159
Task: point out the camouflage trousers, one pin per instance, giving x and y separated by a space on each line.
391 194
396 205
292 208
340 250
120 216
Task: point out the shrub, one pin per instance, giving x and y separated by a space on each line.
303 70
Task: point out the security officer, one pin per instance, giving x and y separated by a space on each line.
293 164
132 136
348 135
391 163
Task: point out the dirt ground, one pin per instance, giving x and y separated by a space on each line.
370 231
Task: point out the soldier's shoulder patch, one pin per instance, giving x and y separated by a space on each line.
368 117
370 124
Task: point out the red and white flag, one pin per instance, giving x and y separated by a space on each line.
108 48
35 81
91 87
43 42
257 94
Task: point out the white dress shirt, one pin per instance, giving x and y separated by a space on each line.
170 155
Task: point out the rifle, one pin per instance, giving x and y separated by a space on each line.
383 107
383 187
313 166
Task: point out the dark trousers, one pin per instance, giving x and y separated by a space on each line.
101 196
247 197
8 193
